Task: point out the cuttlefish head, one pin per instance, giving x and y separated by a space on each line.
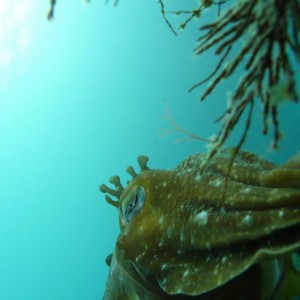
199 226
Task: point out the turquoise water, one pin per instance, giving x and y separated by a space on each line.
80 98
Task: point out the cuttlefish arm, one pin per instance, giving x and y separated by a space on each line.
200 226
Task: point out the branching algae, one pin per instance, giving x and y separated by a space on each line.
265 36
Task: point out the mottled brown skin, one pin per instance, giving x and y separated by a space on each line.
207 233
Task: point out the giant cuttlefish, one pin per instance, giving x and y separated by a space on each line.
217 229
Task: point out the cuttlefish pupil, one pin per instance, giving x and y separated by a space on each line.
132 204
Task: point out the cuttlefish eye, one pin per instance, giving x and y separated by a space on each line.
132 204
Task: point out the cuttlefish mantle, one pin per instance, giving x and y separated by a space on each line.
204 229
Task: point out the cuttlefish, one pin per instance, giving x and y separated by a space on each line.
209 229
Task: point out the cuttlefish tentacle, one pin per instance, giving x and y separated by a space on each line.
191 239
115 180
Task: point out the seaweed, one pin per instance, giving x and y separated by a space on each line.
264 36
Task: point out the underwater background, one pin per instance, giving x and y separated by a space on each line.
80 98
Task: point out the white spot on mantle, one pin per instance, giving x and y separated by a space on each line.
224 259
202 217
164 266
247 220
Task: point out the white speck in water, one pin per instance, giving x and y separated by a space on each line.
164 266
281 214
202 217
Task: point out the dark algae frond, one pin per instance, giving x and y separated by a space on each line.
50 14
266 33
